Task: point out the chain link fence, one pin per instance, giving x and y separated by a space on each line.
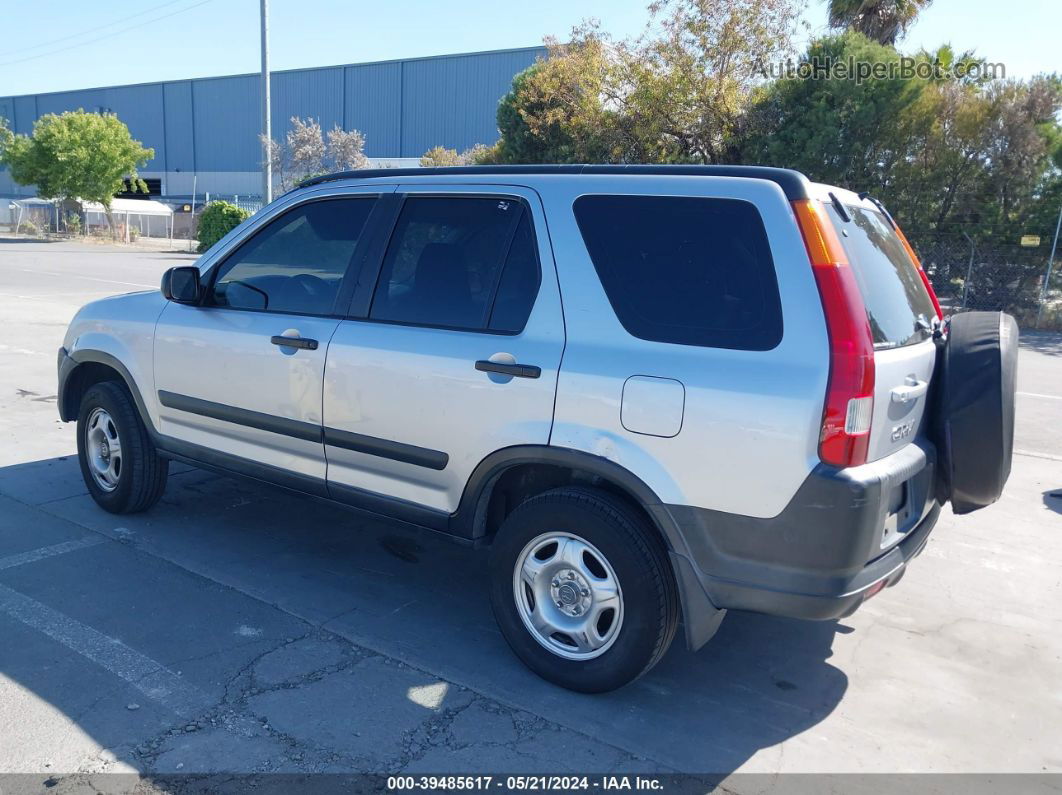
995 275
187 210
251 204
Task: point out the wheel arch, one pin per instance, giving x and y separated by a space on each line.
530 469
524 470
81 369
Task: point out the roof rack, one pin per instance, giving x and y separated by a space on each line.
793 183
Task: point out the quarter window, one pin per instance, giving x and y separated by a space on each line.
687 270
296 262
462 263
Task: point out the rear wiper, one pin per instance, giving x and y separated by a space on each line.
866 196
840 208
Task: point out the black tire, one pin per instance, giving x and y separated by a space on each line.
142 478
639 560
974 422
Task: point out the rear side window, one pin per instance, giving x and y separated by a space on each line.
687 270
898 306
460 263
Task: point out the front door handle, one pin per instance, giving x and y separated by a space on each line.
294 342
518 370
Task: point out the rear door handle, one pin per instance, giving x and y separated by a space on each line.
911 390
518 370
294 342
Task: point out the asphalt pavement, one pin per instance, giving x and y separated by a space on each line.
237 629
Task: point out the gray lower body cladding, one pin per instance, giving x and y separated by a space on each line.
843 532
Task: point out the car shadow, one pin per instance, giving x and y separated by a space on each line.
305 565
1053 500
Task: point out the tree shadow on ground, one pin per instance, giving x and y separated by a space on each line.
1048 342
8 239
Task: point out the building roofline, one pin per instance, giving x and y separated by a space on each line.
276 72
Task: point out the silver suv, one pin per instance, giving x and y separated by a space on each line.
655 392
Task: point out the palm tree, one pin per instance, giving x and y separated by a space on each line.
883 21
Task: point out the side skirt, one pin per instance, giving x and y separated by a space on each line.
376 505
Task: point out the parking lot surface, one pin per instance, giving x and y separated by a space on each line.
235 628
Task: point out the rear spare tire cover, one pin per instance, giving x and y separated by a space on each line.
975 409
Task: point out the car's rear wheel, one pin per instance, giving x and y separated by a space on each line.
120 466
582 589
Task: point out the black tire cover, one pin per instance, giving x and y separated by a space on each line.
975 408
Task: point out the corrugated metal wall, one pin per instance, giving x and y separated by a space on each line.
212 124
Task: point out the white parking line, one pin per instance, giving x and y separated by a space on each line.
1040 395
151 678
46 552
87 278
1034 454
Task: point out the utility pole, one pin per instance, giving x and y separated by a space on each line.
267 132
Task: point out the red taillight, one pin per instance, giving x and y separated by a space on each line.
850 392
921 272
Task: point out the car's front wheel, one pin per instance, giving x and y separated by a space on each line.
121 468
582 589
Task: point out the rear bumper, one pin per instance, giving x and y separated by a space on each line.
845 535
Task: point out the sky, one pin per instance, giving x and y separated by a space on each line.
56 45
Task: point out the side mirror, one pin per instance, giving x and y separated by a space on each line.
182 285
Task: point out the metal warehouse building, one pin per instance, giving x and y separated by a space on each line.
208 128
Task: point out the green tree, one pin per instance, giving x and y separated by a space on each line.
6 137
217 220
842 131
555 111
674 94
76 155
940 150
884 21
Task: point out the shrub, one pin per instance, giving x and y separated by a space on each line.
29 228
73 223
217 220
440 156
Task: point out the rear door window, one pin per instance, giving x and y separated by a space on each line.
685 270
466 263
898 306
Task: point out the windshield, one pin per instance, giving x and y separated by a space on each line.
898 305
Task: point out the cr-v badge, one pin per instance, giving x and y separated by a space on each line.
902 431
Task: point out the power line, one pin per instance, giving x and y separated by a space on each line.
106 35
89 30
